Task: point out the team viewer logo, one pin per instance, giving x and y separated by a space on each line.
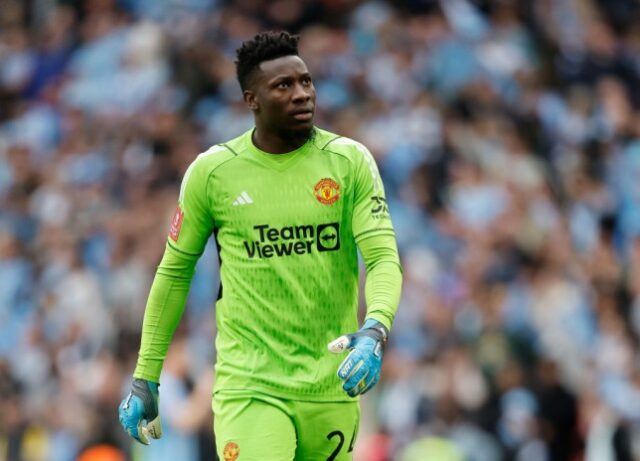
327 191
231 451
328 237
176 224
270 242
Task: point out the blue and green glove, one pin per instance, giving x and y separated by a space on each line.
138 412
360 371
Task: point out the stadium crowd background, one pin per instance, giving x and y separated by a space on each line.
508 135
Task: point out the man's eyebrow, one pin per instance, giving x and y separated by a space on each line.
288 76
280 77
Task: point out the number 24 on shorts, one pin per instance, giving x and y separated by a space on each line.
340 436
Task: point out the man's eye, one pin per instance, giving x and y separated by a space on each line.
283 85
306 82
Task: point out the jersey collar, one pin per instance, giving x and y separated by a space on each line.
276 161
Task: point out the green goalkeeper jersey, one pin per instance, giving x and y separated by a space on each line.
287 228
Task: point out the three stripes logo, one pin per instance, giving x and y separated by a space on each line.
243 199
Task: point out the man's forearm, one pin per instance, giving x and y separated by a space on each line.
162 315
384 277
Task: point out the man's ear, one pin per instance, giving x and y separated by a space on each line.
250 100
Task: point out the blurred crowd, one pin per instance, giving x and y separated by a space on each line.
508 136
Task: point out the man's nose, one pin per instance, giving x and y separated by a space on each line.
301 93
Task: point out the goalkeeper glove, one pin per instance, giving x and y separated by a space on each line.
360 371
139 411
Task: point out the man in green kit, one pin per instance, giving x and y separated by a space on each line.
290 205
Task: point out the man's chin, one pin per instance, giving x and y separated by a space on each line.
301 131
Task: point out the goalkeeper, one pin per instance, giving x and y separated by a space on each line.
290 205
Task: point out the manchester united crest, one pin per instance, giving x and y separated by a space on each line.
231 451
327 191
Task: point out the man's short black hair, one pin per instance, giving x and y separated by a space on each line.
263 47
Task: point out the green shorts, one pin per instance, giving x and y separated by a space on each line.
263 428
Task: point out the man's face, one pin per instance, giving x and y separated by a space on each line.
283 97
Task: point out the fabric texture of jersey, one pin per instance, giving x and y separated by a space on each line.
287 226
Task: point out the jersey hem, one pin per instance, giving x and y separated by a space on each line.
343 397
378 316
147 376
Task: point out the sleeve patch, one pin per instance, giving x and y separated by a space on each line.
176 224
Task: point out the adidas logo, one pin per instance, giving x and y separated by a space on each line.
243 199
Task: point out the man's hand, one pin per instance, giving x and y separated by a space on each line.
139 411
360 371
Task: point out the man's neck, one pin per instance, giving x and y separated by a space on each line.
274 143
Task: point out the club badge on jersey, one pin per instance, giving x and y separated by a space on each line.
327 191
231 451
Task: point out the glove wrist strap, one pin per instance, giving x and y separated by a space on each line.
377 330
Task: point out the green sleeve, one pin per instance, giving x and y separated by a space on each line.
370 211
162 315
374 234
190 229
383 279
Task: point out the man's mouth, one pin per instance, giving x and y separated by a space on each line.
303 115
